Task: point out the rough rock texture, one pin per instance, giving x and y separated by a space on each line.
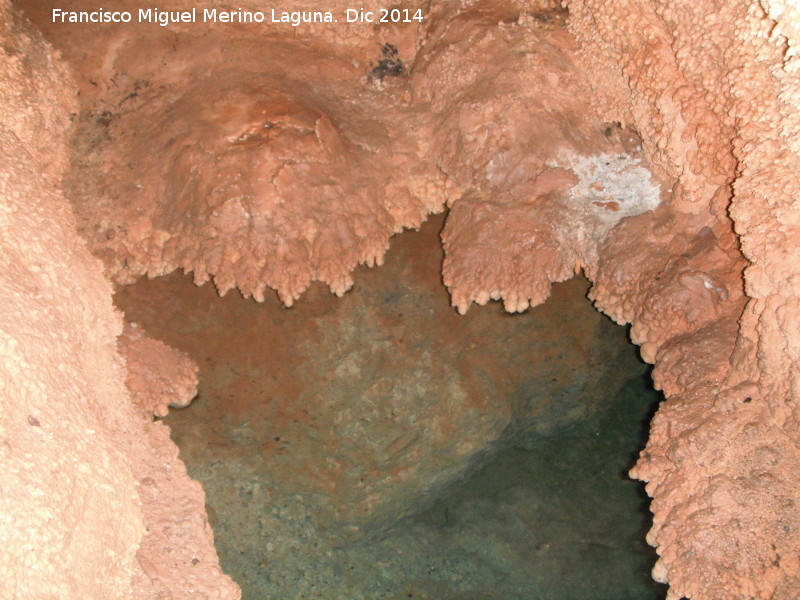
177 555
543 178
714 96
265 173
77 517
331 421
68 499
211 151
396 391
158 376
207 151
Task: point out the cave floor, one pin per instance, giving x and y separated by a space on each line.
545 513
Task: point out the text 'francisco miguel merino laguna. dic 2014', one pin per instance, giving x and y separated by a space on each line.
214 15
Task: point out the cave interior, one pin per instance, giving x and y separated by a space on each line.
488 300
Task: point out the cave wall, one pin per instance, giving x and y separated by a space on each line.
85 473
71 520
705 95
714 95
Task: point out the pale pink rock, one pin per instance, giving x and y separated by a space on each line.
77 518
159 377
261 175
68 503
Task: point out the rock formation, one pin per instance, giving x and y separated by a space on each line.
366 408
717 105
95 502
652 144
158 376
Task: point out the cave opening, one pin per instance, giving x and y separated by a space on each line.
380 445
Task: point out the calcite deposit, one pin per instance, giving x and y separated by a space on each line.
68 503
713 96
652 144
404 397
542 177
94 503
159 377
245 156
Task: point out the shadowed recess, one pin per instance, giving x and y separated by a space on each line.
382 446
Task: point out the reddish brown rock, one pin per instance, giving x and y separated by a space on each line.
265 175
369 406
714 100
214 153
535 163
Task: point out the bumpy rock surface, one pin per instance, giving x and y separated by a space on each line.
246 156
207 151
542 177
331 421
78 514
369 406
158 376
714 95
68 500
